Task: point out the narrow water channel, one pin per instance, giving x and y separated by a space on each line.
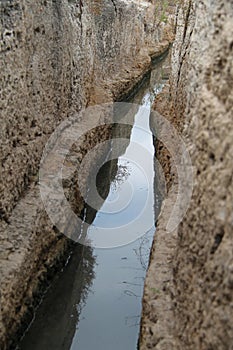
95 302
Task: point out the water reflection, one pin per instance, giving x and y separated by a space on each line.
127 213
111 316
59 312
95 303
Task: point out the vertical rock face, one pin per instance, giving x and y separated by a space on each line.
188 294
57 57
203 266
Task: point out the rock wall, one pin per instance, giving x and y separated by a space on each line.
204 258
57 57
188 294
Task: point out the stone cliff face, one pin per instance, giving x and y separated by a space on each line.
204 257
57 58
188 295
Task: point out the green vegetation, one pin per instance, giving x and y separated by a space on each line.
160 13
155 290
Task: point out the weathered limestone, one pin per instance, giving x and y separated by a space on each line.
57 57
193 273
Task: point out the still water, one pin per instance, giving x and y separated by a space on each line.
95 302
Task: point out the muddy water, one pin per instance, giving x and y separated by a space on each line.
95 302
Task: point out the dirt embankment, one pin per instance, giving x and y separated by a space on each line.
188 293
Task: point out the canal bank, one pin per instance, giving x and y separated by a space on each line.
188 302
57 58
96 302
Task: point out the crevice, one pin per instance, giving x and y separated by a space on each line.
80 16
183 40
114 4
217 241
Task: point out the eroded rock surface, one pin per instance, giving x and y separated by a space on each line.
57 57
188 294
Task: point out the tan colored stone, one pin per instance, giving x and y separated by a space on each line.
57 57
199 300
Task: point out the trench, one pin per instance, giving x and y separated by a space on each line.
95 301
